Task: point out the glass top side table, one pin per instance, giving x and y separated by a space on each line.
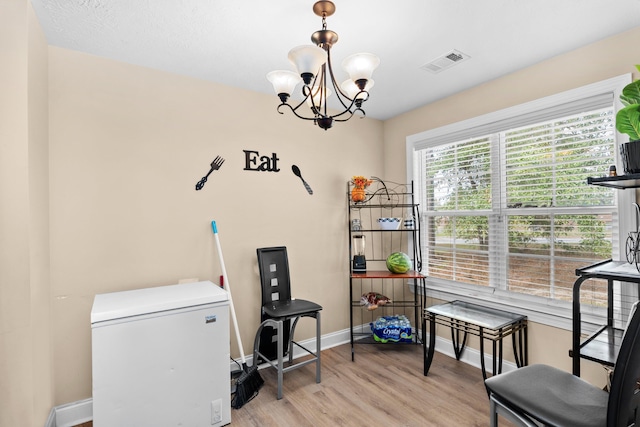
487 323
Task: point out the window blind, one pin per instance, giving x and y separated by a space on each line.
510 209
555 222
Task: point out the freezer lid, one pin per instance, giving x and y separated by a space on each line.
117 305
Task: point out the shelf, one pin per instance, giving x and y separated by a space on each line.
386 274
395 304
379 205
367 338
602 346
620 182
382 231
616 270
384 200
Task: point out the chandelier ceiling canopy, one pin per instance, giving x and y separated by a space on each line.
314 70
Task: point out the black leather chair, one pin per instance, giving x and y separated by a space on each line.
543 395
280 315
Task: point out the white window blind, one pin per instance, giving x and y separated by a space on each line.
504 200
555 222
457 209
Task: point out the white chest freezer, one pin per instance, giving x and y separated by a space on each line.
161 357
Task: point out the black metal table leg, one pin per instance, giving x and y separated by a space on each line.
458 347
484 369
525 331
499 358
432 343
519 340
517 349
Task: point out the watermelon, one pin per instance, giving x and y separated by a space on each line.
398 262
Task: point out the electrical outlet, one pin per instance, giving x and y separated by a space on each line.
216 411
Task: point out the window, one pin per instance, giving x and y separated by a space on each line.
504 203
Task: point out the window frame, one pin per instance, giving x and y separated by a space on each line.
549 312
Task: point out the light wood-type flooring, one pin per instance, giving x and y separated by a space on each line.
383 387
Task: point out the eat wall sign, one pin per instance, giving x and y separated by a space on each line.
253 161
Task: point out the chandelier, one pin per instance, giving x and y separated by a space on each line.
314 69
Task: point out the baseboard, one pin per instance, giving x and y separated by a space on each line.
51 419
327 341
470 356
72 414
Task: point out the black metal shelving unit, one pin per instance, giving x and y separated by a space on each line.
385 199
602 346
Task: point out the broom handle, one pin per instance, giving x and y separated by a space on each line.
226 285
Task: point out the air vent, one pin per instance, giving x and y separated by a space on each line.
445 61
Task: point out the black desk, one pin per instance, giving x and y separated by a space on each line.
487 323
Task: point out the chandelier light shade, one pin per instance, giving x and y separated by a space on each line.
317 94
307 60
314 69
360 66
284 82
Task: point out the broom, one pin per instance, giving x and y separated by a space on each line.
250 381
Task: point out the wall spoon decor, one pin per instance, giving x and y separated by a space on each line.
296 172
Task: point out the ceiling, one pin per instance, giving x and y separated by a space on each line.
237 42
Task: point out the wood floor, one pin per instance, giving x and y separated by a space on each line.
383 387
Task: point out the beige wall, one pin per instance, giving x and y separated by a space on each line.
39 219
599 61
25 338
128 145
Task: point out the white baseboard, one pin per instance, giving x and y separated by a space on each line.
470 356
79 412
51 419
71 414
327 341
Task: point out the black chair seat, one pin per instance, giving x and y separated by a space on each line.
290 308
541 394
552 396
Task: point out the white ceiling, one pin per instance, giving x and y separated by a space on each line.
238 42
